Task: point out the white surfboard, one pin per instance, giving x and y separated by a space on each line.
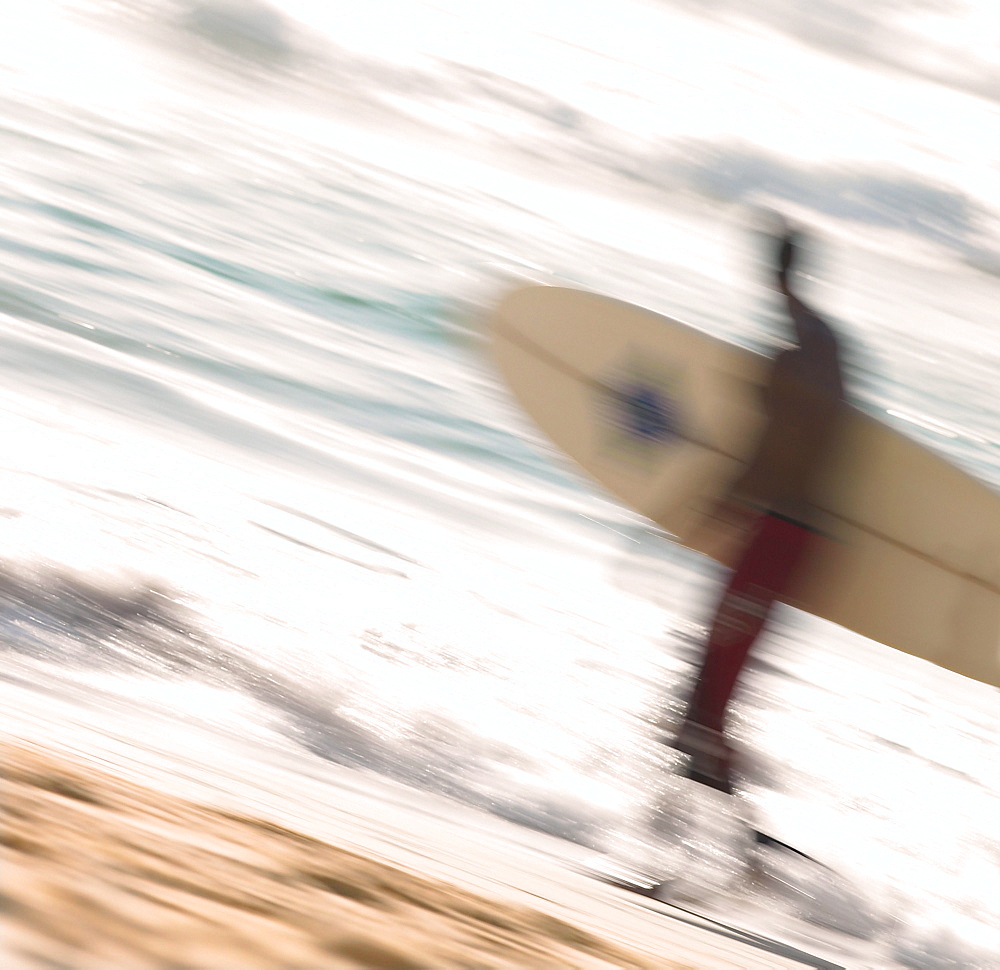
663 416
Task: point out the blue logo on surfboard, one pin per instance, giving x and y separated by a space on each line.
638 404
646 413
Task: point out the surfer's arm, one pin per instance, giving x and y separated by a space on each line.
723 528
761 480
804 317
724 525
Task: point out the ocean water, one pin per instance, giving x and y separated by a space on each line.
260 479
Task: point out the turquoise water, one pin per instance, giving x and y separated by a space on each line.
260 476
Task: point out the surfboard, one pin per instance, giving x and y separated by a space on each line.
663 416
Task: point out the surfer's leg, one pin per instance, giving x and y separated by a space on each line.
761 575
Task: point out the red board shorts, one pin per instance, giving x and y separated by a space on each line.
762 575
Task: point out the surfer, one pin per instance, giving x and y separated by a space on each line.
768 507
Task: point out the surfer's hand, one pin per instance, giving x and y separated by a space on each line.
734 513
724 530
789 243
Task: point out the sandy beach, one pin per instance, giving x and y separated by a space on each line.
100 873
